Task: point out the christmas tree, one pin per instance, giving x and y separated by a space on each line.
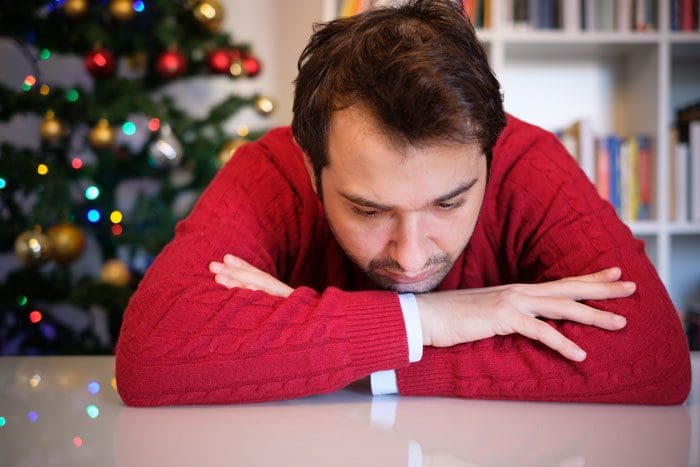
118 163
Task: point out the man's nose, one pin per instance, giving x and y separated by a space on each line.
409 245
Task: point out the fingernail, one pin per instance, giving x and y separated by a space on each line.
215 267
620 320
631 286
230 259
615 271
580 355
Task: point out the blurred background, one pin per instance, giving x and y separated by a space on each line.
115 114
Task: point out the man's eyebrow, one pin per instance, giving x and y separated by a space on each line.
360 201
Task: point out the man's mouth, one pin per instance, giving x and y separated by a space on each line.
408 279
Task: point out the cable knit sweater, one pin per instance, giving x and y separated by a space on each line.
187 340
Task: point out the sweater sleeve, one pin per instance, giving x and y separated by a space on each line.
187 340
559 227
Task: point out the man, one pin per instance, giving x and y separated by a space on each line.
407 229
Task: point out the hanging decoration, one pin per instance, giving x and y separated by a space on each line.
165 151
100 62
171 63
67 242
209 13
32 247
102 135
51 129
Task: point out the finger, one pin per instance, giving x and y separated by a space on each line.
226 281
605 275
255 279
547 335
557 308
582 290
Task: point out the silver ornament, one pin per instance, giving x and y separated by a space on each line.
165 151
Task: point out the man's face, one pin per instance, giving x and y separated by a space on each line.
402 214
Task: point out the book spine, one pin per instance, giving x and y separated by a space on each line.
614 150
623 15
687 15
602 178
675 15
694 169
634 179
645 177
681 182
572 15
625 172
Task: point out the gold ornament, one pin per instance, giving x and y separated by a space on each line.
51 129
123 10
67 242
263 105
209 13
102 135
32 247
228 150
236 69
76 8
115 272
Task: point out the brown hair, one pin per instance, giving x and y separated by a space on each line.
419 68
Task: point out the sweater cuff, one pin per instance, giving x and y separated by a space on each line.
374 327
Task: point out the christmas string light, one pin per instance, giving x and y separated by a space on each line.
44 90
116 217
45 54
42 169
93 216
35 316
129 128
76 163
72 95
117 230
154 124
3 183
139 6
92 192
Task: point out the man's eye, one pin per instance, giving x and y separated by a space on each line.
449 206
366 212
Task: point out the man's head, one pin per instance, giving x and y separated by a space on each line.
397 111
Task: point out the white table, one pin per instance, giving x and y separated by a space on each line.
53 416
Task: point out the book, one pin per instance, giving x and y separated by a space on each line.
623 15
694 170
571 15
681 186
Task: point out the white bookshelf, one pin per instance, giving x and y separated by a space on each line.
625 83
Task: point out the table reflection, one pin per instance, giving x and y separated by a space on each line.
65 411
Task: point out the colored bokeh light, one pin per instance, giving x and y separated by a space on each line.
3 183
45 54
154 124
92 411
93 215
76 163
139 6
35 316
116 217
117 230
2 422
33 416
22 300
92 192
129 128
72 95
44 90
42 169
93 387
77 441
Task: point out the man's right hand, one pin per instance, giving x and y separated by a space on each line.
457 316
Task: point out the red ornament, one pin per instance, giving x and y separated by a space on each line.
100 63
171 64
220 61
251 66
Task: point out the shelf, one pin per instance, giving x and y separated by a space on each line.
685 228
684 37
644 227
564 37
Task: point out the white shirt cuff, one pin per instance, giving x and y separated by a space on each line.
383 383
414 334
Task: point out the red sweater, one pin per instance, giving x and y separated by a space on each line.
188 340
